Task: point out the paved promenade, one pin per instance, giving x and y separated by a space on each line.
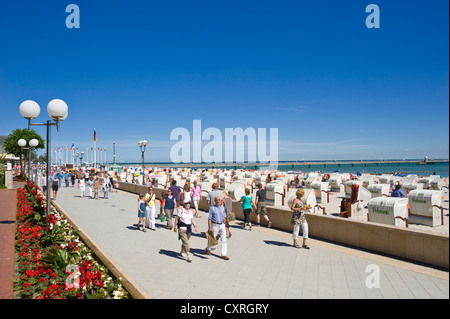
262 264
8 200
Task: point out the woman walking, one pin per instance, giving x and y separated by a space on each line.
170 205
55 186
72 178
195 194
186 193
97 186
299 218
247 203
150 209
82 187
90 184
106 186
228 204
44 183
184 221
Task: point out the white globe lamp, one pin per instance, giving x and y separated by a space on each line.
21 142
29 109
33 143
58 110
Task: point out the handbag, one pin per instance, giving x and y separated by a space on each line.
212 240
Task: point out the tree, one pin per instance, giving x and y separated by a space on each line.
11 140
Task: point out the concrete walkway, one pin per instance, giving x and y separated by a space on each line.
262 264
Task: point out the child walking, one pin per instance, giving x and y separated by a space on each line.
141 212
161 206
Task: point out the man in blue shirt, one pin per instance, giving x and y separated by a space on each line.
217 220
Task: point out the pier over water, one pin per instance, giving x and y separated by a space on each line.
310 163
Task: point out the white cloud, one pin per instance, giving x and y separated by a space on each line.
298 108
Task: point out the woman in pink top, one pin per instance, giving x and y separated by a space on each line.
196 195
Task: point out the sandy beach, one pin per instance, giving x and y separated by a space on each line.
285 182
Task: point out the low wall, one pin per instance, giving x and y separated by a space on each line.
419 246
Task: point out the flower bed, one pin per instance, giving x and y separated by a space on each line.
52 261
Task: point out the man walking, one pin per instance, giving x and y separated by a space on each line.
212 194
217 220
260 203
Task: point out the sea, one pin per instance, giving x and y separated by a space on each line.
368 167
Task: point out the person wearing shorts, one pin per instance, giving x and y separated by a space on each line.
260 203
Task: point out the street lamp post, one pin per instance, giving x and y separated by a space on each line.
58 111
22 144
32 143
114 152
142 146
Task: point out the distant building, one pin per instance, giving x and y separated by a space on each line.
3 153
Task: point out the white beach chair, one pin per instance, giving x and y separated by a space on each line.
275 194
426 208
389 211
321 191
335 183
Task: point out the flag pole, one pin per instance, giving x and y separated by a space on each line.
95 153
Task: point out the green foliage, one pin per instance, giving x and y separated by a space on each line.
58 259
11 145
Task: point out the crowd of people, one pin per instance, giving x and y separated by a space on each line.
179 208
89 180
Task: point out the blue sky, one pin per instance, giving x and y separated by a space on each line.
137 70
